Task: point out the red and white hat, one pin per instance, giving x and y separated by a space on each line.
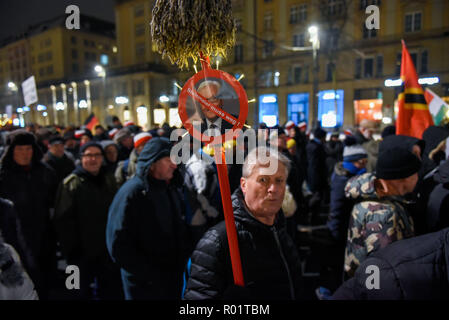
302 125
140 138
79 134
113 132
348 132
289 125
129 123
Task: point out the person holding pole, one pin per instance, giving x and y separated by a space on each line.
270 263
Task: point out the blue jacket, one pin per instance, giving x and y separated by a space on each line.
145 233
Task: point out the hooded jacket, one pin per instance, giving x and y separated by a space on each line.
412 269
374 223
271 267
146 235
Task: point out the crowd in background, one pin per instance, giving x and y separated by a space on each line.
112 203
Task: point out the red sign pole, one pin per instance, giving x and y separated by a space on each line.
225 191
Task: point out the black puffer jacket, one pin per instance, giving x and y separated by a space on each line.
270 263
412 269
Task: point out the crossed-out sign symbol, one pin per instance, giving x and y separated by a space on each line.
189 91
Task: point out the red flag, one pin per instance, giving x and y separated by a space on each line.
91 122
413 116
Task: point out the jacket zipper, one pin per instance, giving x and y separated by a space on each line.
290 281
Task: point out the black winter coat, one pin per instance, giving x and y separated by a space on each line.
412 269
11 232
81 213
316 170
270 262
146 235
32 191
62 166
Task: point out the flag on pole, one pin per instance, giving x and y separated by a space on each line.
413 116
91 122
437 107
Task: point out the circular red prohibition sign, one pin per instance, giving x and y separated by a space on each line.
189 90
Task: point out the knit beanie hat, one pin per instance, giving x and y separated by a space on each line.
354 153
398 164
21 138
141 138
289 125
91 144
56 140
121 134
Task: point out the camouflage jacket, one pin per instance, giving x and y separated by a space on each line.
374 223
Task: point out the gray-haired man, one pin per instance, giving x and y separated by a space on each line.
270 262
214 125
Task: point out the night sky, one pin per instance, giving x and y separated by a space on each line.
16 15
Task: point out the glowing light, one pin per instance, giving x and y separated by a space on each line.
164 98
121 100
82 104
269 99
60 106
329 120
386 120
270 121
429 81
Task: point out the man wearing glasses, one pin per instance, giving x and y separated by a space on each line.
211 124
81 213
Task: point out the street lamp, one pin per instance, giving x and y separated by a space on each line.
315 40
101 72
14 91
12 86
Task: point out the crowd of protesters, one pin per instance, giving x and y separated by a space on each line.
114 203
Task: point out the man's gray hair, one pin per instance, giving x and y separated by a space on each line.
209 83
260 155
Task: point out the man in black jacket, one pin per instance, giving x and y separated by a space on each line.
31 184
81 213
58 159
146 235
270 263
412 269
316 172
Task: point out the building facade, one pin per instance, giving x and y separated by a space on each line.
351 76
